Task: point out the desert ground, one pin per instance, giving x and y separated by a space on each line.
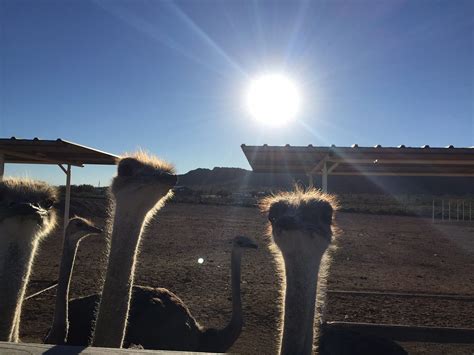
375 253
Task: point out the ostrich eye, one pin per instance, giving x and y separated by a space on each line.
326 216
126 167
277 210
125 170
48 204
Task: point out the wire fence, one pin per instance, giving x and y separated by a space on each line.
452 210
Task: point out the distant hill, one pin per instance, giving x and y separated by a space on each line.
240 187
235 179
216 176
241 180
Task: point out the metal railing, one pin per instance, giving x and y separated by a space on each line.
452 210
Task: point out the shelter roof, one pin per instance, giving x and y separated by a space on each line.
355 160
40 151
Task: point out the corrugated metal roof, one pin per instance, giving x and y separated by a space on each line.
39 151
357 160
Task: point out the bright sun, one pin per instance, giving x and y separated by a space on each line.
273 99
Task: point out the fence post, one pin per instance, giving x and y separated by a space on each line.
442 210
433 210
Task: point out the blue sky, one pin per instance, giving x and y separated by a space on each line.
170 77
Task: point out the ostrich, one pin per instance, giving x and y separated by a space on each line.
26 216
141 187
159 319
77 229
301 229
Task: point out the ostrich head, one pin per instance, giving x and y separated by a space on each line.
78 228
244 242
26 207
300 220
142 180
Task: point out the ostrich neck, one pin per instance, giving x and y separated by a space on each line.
236 320
115 301
232 331
14 277
221 340
300 296
59 329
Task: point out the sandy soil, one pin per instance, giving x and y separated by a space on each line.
399 254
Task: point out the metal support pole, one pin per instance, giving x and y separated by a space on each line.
67 201
2 166
325 178
432 212
442 210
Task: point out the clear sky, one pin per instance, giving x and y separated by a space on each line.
170 77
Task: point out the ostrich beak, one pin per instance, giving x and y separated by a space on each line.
95 230
286 223
244 242
252 246
170 179
26 209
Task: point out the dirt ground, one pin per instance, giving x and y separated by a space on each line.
376 253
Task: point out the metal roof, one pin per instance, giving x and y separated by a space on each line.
355 160
39 151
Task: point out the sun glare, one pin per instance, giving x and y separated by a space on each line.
273 99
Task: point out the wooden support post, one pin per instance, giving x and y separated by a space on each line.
325 178
67 200
2 166
310 180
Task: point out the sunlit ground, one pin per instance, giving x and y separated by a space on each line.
273 99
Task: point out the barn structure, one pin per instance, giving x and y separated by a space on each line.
361 161
373 161
56 152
